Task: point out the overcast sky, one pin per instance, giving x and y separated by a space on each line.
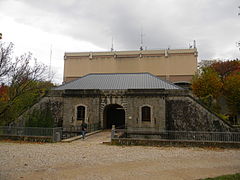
89 25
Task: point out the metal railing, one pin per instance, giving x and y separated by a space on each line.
52 133
178 135
76 129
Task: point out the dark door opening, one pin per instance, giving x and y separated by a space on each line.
114 114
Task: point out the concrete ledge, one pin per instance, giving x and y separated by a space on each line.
79 137
176 143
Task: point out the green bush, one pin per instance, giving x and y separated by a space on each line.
40 118
223 116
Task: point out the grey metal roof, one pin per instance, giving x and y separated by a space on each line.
119 81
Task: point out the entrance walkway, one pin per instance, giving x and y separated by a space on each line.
104 136
68 140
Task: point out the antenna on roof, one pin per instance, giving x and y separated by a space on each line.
112 45
50 63
238 45
141 40
194 44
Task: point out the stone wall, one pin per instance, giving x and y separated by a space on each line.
184 113
157 105
171 143
109 97
69 111
96 102
171 110
131 104
53 102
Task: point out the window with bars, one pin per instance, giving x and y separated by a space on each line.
146 113
80 113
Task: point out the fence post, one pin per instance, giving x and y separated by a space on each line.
113 132
53 134
58 134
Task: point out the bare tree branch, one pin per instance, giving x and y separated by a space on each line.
24 75
5 60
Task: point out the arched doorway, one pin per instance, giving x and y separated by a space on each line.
114 114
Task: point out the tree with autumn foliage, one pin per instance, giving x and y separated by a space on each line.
3 93
232 92
229 72
23 83
207 83
219 79
226 68
207 86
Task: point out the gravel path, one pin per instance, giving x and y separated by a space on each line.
90 159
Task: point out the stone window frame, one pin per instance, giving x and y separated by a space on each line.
151 113
86 112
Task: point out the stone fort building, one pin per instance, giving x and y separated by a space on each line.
137 101
132 89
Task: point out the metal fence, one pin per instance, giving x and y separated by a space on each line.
178 135
52 133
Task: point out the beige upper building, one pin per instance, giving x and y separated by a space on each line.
178 65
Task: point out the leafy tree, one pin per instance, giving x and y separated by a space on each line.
207 83
232 92
40 118
3 93
226 68
219 79
25 81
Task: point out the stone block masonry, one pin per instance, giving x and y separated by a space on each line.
172 110
184 113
